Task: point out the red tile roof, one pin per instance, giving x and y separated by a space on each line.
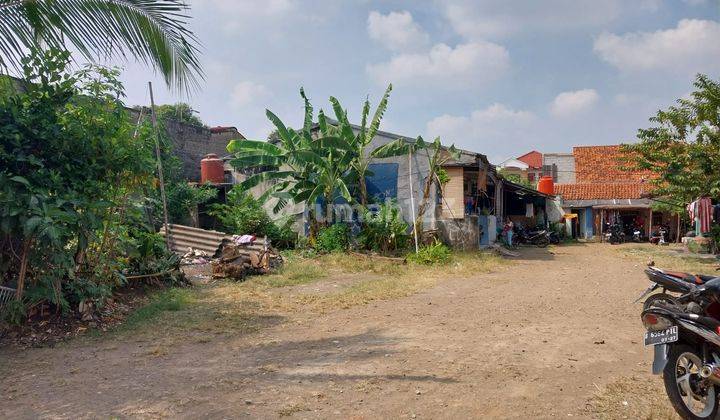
533 159
605 164
601 191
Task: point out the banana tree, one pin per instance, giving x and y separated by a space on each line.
437 155
362 139
303 168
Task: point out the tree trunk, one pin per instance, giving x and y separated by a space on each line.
23 268
363 190
424 204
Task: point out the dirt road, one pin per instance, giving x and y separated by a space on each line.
536 339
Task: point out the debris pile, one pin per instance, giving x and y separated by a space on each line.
195 256
241 257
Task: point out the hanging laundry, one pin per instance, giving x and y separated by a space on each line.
529 210
705 210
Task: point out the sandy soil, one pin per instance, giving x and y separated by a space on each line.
537 339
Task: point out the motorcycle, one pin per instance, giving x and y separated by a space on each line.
660 236
539 238
614 234
685 335
637 235
672 285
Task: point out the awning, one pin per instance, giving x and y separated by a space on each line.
570 216
622 206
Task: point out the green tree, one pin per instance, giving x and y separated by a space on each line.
516 178
302 167
360 140
71 175
437 155
682 148
180 112
153 31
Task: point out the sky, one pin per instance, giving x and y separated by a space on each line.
498 77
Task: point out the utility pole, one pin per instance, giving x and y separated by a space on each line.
159 167
412 200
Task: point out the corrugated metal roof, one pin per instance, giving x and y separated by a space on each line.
184 237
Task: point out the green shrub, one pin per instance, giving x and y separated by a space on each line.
384 230
333 238
242 214
437 253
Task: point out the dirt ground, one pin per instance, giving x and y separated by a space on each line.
554 334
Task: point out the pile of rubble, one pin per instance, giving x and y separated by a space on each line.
194 257
242 256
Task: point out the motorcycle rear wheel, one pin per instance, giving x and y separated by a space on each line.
683 384
662 297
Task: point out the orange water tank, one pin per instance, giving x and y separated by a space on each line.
212 170
546 185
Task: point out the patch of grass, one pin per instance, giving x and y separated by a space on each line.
396 279
632 398
174 299
669 258
294 271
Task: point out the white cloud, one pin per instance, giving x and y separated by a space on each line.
247 92
497 124
483 19
573 102
396 31
693 46
444 66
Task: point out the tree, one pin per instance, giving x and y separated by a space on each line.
682 149
153 31
71 176
437 155
362 139
303 168
180 112
516 178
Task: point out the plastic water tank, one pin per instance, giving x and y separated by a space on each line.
212 170
546 185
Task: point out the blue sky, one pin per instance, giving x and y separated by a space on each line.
500 77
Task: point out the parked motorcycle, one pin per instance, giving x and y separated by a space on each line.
539 238
637 234
685 334
672 284
614 233
660 236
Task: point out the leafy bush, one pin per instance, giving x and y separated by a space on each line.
437 253
243 214
333 238
384 230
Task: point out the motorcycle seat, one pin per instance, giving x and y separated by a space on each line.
689 277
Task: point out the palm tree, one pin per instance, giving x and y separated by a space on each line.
153 31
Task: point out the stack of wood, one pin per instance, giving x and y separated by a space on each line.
237 261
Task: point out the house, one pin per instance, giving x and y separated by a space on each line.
528 166
463 213
602 191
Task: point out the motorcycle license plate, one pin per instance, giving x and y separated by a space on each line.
669 335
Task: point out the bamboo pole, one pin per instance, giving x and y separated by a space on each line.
159 167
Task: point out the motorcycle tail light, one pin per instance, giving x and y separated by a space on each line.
653 322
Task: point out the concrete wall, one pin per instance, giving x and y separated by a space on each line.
565 163
460 233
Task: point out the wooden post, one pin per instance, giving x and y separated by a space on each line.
650 224
159 167
679 237
412 200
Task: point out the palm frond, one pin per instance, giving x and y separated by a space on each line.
153 31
